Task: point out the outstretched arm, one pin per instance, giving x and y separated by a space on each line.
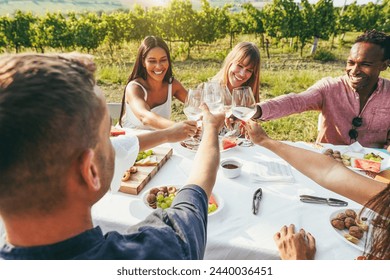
322 169
135 97
206 163
178 132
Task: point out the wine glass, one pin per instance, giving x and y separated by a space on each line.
227 101
230 129
213 96
243 106
193 112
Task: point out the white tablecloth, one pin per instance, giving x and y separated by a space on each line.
234 232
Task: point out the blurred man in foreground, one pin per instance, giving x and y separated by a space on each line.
57 160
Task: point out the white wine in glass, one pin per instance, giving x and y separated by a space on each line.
192 104
213 96
192 111
243 106
227 102
243 103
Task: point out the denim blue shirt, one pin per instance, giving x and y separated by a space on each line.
178 233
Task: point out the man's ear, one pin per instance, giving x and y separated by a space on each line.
386 64
88 169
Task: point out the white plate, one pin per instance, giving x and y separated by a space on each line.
217 199
340 233
385 163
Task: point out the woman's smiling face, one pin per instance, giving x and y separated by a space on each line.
239 73
156 63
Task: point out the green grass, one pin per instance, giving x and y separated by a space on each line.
283 73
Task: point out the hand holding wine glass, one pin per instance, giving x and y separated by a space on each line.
230 125
192 110
243 106
213 96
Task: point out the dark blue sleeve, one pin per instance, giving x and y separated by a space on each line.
188 215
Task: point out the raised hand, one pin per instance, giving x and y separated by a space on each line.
209 119
181 131
255 132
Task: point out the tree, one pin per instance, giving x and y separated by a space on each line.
324 21
181 23
309 22
3 23
88 30
18 30
115 26
370 17
350 19
384 16
52 31
237 25
213 23
282 19
253 19
143 23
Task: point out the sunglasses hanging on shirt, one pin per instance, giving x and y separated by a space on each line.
356 122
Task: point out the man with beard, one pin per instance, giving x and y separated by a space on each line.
354 107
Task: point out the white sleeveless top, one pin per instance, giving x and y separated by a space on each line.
129 120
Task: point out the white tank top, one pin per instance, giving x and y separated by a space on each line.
129 120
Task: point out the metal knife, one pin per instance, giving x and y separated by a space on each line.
323 200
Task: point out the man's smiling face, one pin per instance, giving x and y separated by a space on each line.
364 64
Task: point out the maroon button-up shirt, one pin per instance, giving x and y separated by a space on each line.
339 104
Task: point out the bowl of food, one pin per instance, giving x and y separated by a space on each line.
231 168
163 196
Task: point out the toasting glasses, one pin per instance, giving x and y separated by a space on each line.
232 128
243 106
192 111
213 96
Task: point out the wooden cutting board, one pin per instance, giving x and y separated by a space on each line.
144 174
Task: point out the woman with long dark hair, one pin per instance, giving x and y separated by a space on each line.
147 98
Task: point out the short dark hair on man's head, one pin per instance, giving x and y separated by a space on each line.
378 38
49 114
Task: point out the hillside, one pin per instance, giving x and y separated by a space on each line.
40 7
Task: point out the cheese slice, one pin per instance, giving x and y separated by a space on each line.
148 161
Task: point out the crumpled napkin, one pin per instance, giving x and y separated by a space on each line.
126 150
355 147
271 171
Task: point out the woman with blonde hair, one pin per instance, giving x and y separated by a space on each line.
147 98
241 67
